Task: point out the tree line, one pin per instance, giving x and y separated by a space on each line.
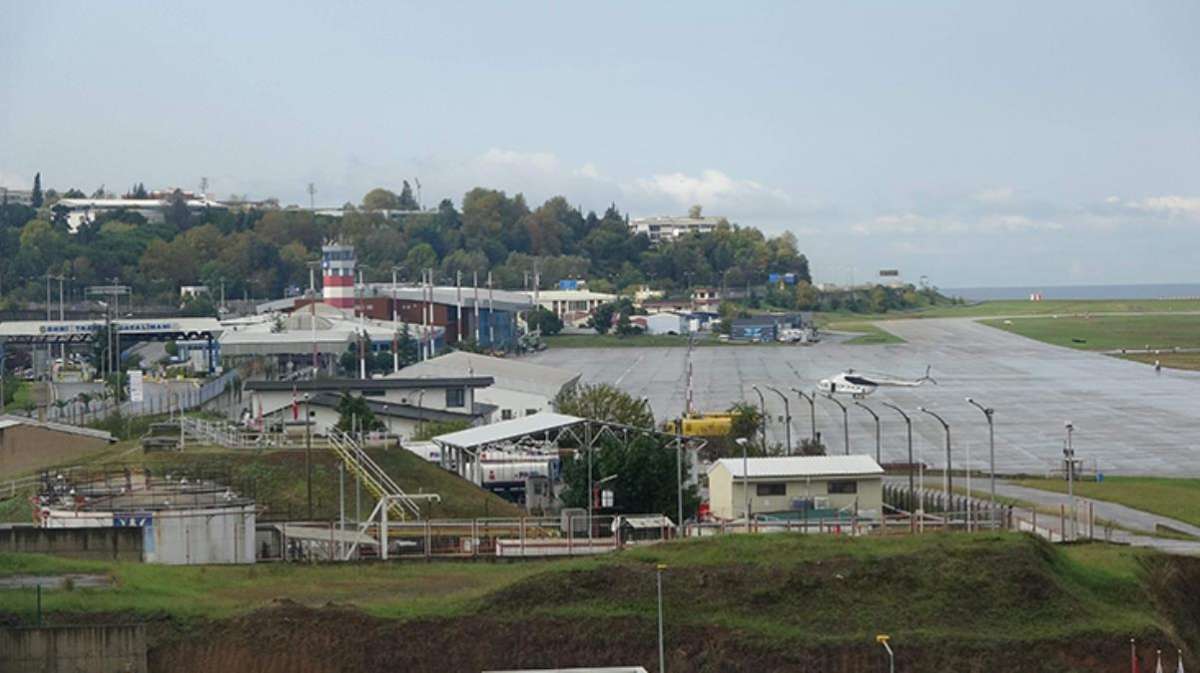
265 252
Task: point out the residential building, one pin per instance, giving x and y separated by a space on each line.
20 197
796 484
79 211
572 306
519 388
669 228
768 326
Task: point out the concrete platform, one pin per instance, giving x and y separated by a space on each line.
1128 419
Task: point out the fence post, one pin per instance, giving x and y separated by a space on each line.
1062 522
428 539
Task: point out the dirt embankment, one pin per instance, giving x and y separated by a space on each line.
293 639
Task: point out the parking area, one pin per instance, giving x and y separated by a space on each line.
1128 420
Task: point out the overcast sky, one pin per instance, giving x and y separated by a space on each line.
1017 144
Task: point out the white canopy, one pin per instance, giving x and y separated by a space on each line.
505 431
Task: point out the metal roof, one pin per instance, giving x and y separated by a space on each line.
507 430
340 385
12 421
801 466
409 411
509 373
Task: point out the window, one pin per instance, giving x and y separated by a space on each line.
506 415
456 397
373 393
530 412
843 486
771 489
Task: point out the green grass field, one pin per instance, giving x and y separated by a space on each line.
1109 332
1015 308
989 588
1169 360
1175 498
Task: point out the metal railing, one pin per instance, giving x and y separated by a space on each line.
378 482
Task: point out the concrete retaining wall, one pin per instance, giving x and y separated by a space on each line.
102 544
71 649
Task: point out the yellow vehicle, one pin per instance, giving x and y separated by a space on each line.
716 424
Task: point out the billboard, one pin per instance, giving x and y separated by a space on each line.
889 273
137 389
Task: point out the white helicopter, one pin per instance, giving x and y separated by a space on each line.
861 385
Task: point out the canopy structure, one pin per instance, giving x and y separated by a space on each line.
462 451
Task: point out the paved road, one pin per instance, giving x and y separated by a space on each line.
1128 419
1119 514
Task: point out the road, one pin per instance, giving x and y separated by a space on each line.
1121 515
1127 419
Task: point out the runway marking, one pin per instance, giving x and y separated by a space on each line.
628 369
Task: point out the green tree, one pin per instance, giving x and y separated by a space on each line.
381 199
747 421
422 256
354 412
546 321
406 200
36 198
604 402
177 214
642 473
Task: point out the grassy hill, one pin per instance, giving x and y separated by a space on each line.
994 602
277 480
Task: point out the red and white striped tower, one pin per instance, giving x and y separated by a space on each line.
337 266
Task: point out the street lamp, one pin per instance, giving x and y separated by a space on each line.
308 454
912 491
762 402
787 418
1069 455
878 434
845 421
883 640
742 442
946 479
989 413
812 412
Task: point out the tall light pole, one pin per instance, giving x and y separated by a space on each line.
762 403
883 640
989 413
308 454
912 489
395 324
1069 455
787 419
878 432
845 421
742 442
662 659
812 413
946 478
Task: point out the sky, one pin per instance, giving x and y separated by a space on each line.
1007 143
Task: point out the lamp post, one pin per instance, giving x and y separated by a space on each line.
883 640
912 490
1069 455
946 478
989 413
308 454
742 442
878 433
787 419
812 413
762 403
845 421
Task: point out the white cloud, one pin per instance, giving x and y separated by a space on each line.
716 191
544 162
909 224
1172 206
589 170
994 195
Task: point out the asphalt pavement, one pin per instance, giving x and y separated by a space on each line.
1127 418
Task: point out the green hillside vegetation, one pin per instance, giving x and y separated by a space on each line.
801 590
1174 498
277 481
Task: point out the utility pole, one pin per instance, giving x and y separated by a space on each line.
812 412
475 282
395 328
662 659
878 433
912 488
762 402
308 454
990 414
1069 455
458 301
845 421
312 197
787 419
947 480
491 315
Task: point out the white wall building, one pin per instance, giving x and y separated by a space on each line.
785 484
572 306
668 228
519 388
662 323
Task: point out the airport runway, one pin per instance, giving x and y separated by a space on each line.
1128 420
